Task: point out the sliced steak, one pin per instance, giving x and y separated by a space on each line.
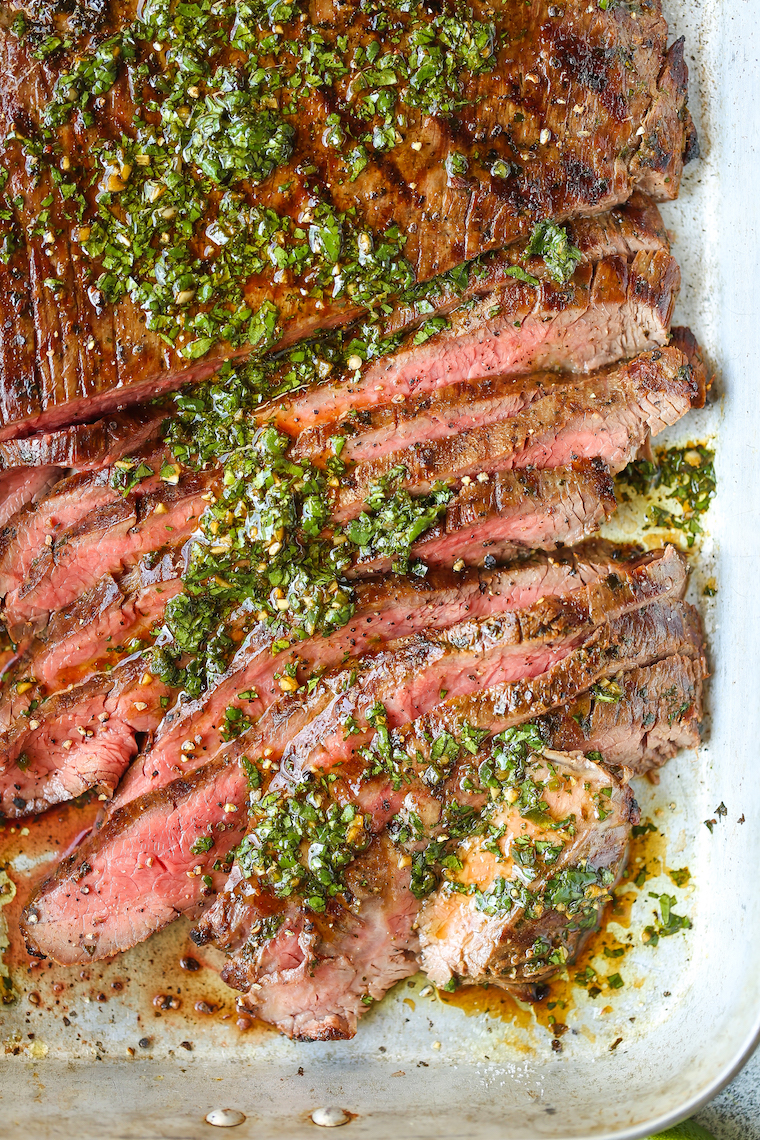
88 446
130 877
214 798
71 351
21 487
608 417
91 634
106 621
80 738
657 712
540 601
608 310
637 639
241 917
320 972
634 227
24 535
393 429
109 539
30 530
508 514
410 680
518 916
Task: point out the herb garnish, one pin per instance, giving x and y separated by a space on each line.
683 476
301 843
551 242
667 922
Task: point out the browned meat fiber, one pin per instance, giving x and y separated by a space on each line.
74 346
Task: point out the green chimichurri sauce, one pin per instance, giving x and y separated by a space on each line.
167 214
681 484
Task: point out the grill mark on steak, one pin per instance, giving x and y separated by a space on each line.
609 417
394 610
62 914
602 62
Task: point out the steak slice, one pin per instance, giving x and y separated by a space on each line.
609 309
24 534
214 798
91 634
578 588
80 738
69 500
607 417
86 446
509 513
518 916
658 713
633 640
130 876
69 349
317 975
19 488
392 429
108 539
411 679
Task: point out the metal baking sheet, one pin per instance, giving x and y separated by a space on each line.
689 1012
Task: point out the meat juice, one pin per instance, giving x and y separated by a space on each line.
170 987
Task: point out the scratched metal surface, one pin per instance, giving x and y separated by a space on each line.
422 1069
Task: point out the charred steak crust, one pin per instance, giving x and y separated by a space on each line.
86 446
68 353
